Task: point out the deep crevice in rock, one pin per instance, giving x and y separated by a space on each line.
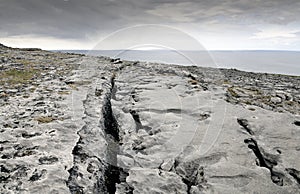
297 123
105 171
294 173
71 183
112 172
137 120
127 189
245 124
192 174
266 160
81 156
110 122
73 171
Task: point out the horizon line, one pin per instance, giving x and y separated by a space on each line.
214 50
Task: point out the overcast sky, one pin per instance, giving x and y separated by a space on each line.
216 24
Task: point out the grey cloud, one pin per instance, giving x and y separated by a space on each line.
78 19
64 19
231 11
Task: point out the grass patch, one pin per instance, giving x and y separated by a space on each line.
266 100
73 86
193 82
232 92
82 83
24 62
247 102
64 92
290 103
227 82
14 76
45 119
32 89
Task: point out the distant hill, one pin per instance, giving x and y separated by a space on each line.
3 46
23 49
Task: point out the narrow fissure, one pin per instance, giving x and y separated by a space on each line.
266 160
195 177
110 122
107 173
112 172
74 173
244 123
188 184
127 189
294 173
81 156
297 123
137 120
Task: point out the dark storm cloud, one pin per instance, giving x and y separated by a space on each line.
79 19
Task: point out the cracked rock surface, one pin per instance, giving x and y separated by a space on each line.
80 124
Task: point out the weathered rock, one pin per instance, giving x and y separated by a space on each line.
276 100
48 160
98 125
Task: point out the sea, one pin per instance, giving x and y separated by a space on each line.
277 62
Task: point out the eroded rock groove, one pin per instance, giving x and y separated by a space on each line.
112 172
266 160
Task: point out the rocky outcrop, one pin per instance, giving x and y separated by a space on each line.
80 124
269 91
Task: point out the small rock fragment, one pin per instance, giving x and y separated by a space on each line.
276 100
48 160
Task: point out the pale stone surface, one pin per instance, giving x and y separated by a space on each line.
99 125
197 135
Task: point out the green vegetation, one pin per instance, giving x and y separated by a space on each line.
226 82
64 92
14 76
24 62
45 119
232 92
